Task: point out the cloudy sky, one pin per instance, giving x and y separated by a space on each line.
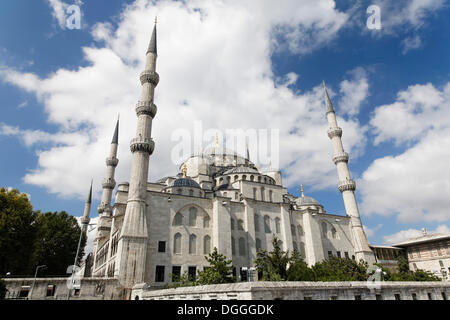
234 64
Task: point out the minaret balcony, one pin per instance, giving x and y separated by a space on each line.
147 108
108 183
148 76
347 185
334 132
104 208
340 157
142 144
112 161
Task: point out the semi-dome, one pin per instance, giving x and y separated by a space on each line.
307 201
185 182
241 169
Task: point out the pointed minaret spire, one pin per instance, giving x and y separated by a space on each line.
347 186
87 209
328 103
115 138
152 47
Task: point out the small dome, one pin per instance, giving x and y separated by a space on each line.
185 182
241 169
307 201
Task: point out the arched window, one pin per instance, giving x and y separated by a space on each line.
233 246
254 193
258 244
266 224
270 196
244 177
333 233
206 244
277 225
192 244
252 178
232 224
177 243
240 225
178 219
236 177
259 178
256 218
242 247
236 195
293 230
206 220
294 244
192 217
300 230
302 250
324 229
262 194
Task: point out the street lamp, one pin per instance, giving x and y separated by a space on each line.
34 281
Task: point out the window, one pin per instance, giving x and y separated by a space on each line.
51 290
159 275
262 195
346 255
300 230
324 229
206 244
333 233
270 196
242 247
277 225
232 224
192 273
397 296
267 224
240 225
192 244
206 220
338 253
77 292
358 297
176 273
192 217
444 295
233 246
414 296
252 178
178 220
254 193
330 254
258 244
378 297
256 218
24 292
302 250
177 243
161 246
294 244
430 296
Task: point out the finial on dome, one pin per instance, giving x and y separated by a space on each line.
301 190
184 170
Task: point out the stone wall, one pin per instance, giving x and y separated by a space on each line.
303 291
89 289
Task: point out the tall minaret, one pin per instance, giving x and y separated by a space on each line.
347 186
109 183
87 209
132 247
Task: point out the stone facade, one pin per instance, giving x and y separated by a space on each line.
303 291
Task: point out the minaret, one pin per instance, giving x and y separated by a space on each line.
87 209
109 183
132 247
347 186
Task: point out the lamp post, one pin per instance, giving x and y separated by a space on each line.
34 281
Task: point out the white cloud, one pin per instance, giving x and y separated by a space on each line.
370 232
413 233
411 43
215 66
354 92
59 12
415 184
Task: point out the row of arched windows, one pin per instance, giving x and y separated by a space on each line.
177 244
192 219
241 245
297 230
252 177
329 231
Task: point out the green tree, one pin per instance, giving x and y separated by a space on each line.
340 269
56 242
17 232
220 270
405 274
180 281
273 264
3 289
298 269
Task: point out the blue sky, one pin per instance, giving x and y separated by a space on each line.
234 65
